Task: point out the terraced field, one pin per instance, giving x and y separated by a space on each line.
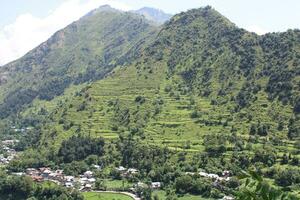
92 110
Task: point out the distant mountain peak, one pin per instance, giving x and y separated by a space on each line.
103 8
154 14
208 15
106 7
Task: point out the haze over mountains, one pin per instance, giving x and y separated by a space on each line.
191 83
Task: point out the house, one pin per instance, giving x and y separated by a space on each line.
91 180
226 173
227 198
86 187
5 148
190 173
121 169
37 178
46 172
59 171
69 184
203 174
156 185
32 171
132 171
88 174
56 176
213 176
140 185
83 180
69 178
9 142
97 167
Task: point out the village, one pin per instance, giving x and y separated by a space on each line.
83 182
87 180
225 176
7 152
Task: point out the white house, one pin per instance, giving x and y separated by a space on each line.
69 178
121 169
132 171
69 184
156 185
227 198
88 174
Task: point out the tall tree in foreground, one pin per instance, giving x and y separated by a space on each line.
256 188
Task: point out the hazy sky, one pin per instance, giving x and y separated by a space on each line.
26 23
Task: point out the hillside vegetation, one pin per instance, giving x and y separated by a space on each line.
198 93
201 76
84 51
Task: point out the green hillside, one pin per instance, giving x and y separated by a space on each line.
206 93
201 75
84 51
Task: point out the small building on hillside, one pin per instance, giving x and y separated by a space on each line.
69 184
86 187
156 185
37 178
88 174
121 169
97 167
32 171
227 198
69 178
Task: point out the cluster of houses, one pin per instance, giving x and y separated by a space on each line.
215 177
21 130
225 176
127 172
8 152
131 171
83 182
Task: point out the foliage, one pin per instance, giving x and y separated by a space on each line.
256 188
14 187
78 148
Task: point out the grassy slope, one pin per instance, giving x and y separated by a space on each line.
173 126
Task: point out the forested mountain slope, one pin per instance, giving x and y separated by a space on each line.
201 75
86 50
219 96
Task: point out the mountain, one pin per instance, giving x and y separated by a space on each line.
200 75
86 50
153 14
214 95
